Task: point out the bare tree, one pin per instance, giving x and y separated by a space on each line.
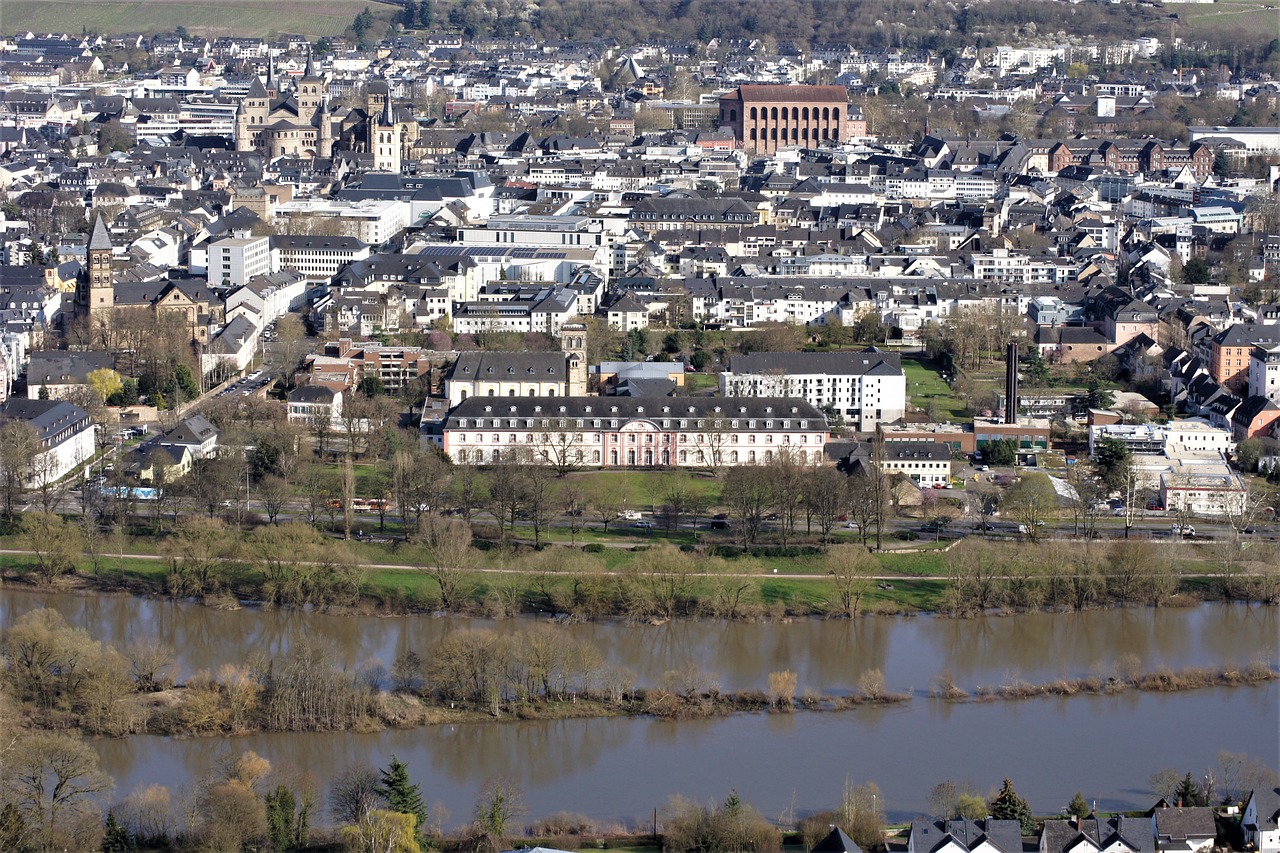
851 569
445 556
19 446
826 498
748 490
57 783
560 446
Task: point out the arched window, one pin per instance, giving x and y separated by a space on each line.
754 114
775 114
804 134
795 113
733 116
805 113
751 457
835 115
826 113
753 134
733 457
684 456
595 457
775 134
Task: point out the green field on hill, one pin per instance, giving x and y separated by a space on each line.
212 19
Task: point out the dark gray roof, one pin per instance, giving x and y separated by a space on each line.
100 238
931 451
1177 824
928 835
836 842
786 414
867 362
311 394
495 366
194 430
56 367
50 418
1058 836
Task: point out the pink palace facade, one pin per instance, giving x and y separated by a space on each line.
634 432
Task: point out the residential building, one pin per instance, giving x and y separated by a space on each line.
64 431
926 463
964 836
315 404
1094 834
59 374
1260 820
1264 371
1184 829
863 388
235 260
1231 350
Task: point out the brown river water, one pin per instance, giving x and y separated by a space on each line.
1103 746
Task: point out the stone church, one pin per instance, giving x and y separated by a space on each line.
276 121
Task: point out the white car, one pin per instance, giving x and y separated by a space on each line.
630 514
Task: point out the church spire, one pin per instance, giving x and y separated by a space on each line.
311 66
100 237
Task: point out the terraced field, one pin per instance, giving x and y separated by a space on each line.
212 18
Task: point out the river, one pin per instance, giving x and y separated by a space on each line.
622 769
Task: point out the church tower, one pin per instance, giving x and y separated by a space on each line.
385 140
573 341
97 296
324 134
251 117
311 90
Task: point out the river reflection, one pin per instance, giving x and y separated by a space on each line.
1105 747
621 769
827 655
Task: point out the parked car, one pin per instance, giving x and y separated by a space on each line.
720 524
1182 529
630 514
643 525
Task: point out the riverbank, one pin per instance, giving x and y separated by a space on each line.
663 582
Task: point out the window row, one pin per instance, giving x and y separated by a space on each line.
795 114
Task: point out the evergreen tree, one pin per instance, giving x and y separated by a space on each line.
1078 806
426 14
409 17
402 795
1188 793
280 810
1009 806
116 838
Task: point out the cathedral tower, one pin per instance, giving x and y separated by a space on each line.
385 140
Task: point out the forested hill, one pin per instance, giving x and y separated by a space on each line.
867 24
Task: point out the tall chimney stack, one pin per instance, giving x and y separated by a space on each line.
1011 384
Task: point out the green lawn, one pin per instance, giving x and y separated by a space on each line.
695 382
926 386
313 18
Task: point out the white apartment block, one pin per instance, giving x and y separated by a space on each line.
1264 372
317 258
863 388
235 260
